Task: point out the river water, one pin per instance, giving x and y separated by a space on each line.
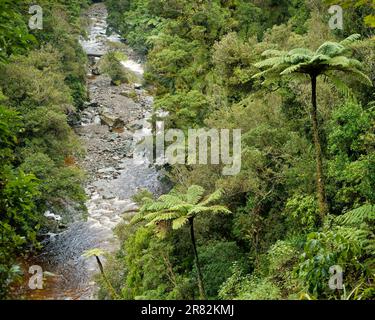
114 175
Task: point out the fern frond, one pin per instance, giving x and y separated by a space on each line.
137 218
217 209
341 86
360 76
154 206
319 58
344 62
170 200
292 69
163 217
274 69
330 49
297 58
351 39
270 62
213 197
357 216
273 53
179 223
194 194
152 215
301 51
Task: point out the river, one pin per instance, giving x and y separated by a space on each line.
114 175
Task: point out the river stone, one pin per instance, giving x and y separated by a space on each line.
95 71
135 126
111 121
107 170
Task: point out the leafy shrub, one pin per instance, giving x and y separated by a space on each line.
245 287
301 213
111 65
217 259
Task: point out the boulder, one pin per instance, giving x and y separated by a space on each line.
111 121
95 71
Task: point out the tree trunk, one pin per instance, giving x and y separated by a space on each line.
202 292
109 286
323 207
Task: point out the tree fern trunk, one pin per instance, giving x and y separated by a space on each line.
323 207
202 292
108 284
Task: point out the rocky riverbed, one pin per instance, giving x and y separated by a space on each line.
106 127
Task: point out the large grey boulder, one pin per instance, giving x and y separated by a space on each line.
111 121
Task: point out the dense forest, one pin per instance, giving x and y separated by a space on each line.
282 234
302 95
42 82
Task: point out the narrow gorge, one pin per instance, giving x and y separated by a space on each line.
106 127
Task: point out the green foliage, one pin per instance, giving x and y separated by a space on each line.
111 65
19 221
41 81
302 214
329 57
356 217
217 259
244 287
14 34
346 244
351 137
176 209
200 61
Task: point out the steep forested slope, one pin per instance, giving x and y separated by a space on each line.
278 243
42 74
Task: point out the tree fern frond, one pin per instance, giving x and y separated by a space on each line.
297 58
360 76
152 215
179 223
183 207
154 206
163 217
319 58
339 61
137 218
194 194
270 62
170 200
275 69
330 49
301 51
273 53
217 209
357 216
292 69
349 40
341 86
213 197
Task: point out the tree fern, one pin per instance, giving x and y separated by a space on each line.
175 210
327 60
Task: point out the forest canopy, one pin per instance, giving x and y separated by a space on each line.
304 199
300 211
